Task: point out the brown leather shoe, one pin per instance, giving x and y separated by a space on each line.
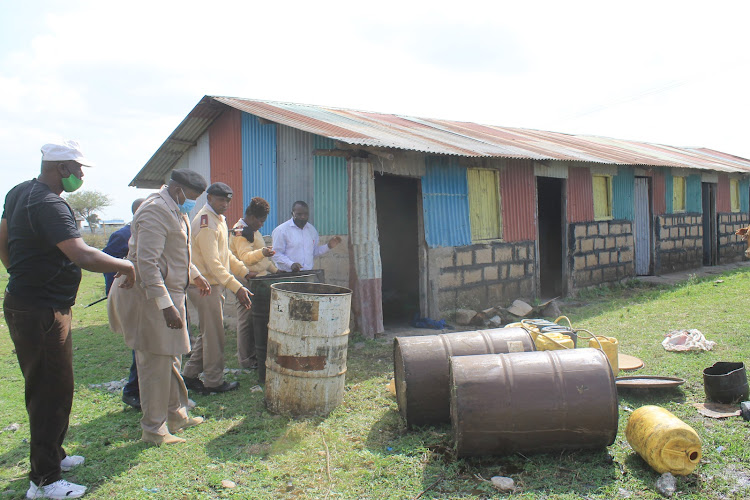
189 422
159 439
224 387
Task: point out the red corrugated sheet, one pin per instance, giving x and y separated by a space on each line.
225 144
723 202
659 192
518 197
580 195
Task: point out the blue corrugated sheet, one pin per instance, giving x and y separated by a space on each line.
445 200
259 165
744 194
668 192
623 185
693 195
330 192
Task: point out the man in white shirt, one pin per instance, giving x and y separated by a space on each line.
296 242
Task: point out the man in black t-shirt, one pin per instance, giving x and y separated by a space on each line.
43 252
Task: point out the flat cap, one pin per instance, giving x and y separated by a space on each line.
189 178
219 189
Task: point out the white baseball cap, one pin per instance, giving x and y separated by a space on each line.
64 151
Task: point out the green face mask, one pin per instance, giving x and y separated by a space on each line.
71 183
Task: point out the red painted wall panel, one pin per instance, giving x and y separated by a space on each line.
518 198
225 144
723 202
659 192
580 195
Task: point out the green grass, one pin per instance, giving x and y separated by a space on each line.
363 446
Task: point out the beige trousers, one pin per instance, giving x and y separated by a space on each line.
164 397
208 352
245 337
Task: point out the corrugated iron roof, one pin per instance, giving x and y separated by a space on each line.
362 128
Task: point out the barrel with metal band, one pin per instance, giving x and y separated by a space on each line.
308 336
421 367
261 289
532 402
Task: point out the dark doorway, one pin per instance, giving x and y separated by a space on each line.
551 217
396 202
710 235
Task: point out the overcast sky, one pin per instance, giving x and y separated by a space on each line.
120 76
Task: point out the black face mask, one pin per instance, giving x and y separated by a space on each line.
248 233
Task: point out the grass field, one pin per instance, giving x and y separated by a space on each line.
363 450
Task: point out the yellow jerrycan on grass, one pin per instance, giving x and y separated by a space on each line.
609 346
664 441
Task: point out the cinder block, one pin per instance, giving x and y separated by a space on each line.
483 255
504 254
450 279
516 271
490 273
604 258
599 243
592 230
472 276
591 260
579 262
603 228
580 231
464 258
587 245
522 252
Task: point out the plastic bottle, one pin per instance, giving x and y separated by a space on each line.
664 441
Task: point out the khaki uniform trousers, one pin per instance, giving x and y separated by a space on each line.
208 352
245 337
164 397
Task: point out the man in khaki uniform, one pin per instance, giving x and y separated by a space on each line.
213 259
246 243
151 315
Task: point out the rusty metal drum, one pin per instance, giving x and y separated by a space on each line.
308 335
532 402
421 367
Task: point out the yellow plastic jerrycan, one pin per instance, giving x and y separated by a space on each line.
553 341
609 346
664 441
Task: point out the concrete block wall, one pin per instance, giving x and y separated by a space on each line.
483 275
731 247
600 252
679 242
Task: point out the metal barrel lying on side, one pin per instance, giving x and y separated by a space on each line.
308 335
421 366
532 402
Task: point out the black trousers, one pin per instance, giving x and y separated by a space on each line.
44 350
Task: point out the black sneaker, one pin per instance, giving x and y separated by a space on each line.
194 384
133 401
224 387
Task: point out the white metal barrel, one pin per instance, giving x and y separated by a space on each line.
308 334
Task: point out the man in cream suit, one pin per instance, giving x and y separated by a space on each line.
152 315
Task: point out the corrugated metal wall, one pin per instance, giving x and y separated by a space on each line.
693 195
330 190
658 192
669 192
722 194
580 195
259 166
198 159
518 198
365 278
623 186
745 194
484 204
445 203
225 146
294 170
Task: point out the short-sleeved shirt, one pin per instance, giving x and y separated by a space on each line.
38 220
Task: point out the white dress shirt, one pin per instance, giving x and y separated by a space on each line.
293 244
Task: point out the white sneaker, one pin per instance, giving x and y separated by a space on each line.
71 461
59 489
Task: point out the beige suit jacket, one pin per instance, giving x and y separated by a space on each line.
160 252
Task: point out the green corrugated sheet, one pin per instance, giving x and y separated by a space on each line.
330 191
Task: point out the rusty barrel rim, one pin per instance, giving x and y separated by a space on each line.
307 289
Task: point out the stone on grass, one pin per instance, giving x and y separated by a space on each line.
226 483
551 310
666 484
520 308
464 316
504 484
496 321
